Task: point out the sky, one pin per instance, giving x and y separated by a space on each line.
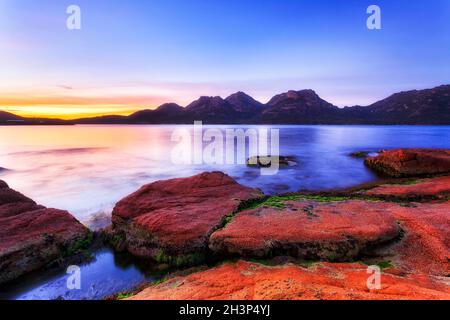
131 55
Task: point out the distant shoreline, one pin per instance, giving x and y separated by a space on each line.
304 107
229 124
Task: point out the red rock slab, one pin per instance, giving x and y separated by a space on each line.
439 186
333 231
13 202
411 162
175 217
425 247
32 236
326 281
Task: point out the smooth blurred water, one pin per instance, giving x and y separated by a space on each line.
87 169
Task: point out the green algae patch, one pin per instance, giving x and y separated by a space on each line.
409 182
124 295
280 201
79 246
320 198
382 264
360 154
179 261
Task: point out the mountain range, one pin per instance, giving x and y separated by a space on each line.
429 106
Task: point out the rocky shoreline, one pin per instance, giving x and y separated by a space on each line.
409 239
33 237
243 244
244 280
318 246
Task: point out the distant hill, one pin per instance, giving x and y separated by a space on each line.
7 118
304 107
166 113
245 105
212 110
430 106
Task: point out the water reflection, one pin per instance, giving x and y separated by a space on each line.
108 274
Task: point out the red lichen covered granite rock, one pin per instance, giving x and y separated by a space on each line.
411 162
174 218
32 236
326 281
335 230
425 246
438 187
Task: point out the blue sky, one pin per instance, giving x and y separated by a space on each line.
134 54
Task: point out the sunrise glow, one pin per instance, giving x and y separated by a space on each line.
126 58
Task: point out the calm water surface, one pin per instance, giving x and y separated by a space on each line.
107 274
87 169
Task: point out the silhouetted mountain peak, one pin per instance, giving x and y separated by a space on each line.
307 96
242 96
208 103
170 107
244 103
304 106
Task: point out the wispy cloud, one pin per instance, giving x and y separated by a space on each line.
65 87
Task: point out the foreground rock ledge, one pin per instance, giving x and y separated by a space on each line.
32 236
335 230
425 247
437 188
250 281
411 162
173 219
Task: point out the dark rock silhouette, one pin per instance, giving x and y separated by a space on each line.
7 118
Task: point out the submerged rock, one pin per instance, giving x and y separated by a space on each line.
363 154
171 221
411 162
32 236
335 230
266 161
325 281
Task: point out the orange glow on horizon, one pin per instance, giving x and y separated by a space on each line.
73 116
70 112
81 104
